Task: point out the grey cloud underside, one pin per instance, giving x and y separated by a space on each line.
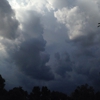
86 55
27 50
87 58
32 55
63 65
32 61
8 22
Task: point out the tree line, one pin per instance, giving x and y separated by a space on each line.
83 92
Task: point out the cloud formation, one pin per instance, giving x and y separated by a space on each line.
50 42
64 64
8 22
30 55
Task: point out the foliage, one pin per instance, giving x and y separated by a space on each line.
83 92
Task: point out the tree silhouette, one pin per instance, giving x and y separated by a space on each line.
97 95
35 94
83 93
58 96
3 92
17 93
2 83
45 93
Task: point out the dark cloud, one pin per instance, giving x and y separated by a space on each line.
29 55
30 59
32 27
8 22
62 85
82 21
63 64
28 49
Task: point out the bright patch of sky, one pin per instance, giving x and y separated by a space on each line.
18 3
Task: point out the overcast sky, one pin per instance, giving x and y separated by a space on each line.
50 42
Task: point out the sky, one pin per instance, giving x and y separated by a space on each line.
50 43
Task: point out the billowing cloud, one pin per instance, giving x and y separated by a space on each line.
8 22
30 59
26 51
53 43
30 55
63 65
81 21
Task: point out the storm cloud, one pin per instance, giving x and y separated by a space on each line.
8 22
50 42
30 55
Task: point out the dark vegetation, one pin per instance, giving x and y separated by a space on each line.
83 92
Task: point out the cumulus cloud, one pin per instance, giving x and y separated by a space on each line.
36 36
26 52
8 22
63 65
78 21
81 21
30 54
30 59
